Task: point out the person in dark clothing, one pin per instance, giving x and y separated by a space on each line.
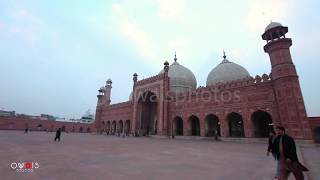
272 138
26 131
285 151
58 134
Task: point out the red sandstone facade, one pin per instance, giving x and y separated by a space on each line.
248 107
17 123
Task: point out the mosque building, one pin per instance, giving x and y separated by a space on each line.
232 104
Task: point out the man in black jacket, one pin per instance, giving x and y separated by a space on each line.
272 138
285 150
58 134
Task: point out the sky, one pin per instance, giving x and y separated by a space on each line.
55 55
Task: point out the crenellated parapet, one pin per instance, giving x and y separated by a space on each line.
249 81
150 79
240 83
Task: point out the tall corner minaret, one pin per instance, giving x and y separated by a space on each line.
108 88
291 108
100 96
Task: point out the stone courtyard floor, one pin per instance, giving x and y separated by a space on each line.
90 156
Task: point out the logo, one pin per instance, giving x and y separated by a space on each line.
24 167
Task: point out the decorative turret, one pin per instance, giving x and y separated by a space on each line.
100 95
278 49
166 67
108 88
135 77
105 93
288 96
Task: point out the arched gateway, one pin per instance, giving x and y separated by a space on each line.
147 114
317 134
120 127
212 125
178 126
262 123
194 126
127 127
235 122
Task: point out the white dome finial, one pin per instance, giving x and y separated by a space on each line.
225 60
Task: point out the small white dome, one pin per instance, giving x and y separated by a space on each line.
272 25
181 78
226 71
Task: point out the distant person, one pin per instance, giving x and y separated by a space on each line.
26 131
272 138
285 150
58 134
216 135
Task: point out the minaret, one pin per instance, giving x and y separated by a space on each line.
288 96
107 94
168 126
100 97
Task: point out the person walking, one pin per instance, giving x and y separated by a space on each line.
58 134
272 138
285 150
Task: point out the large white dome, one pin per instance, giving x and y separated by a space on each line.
226 71
181 78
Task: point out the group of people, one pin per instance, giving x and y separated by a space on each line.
283 149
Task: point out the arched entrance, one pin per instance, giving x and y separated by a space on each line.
81 129
178 126
120 130
39 127
108 127
262 123
113 127
194 125
316 132
127 127
235 122
147 113
212 125
103 127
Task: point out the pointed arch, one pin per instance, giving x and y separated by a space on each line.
178 126
212 125
194 125
235 122
262 123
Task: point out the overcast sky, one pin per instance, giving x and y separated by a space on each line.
54 55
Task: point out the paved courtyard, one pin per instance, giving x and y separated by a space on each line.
90 156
